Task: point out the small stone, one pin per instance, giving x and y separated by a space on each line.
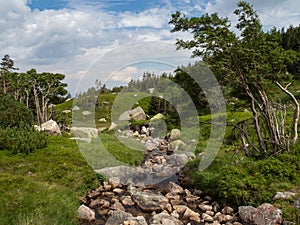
187 192
211 213
180 208
175 188
127 201
227 210
192 198
117 206
175 214
118 191
207 218
191 215
106 186
204 207
173 196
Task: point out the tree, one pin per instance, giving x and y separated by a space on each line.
250 62
7 66
291 41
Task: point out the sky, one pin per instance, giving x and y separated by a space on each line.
111 40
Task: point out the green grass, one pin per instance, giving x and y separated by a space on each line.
44 187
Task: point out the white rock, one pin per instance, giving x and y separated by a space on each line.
112 126
86 113
67 111
284 195
84 132
102 120
75 108
175 134
51 127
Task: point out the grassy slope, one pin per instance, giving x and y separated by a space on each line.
43 187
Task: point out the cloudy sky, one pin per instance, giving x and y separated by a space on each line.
76 37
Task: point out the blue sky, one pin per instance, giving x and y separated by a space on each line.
73 36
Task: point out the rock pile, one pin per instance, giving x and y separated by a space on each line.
115 203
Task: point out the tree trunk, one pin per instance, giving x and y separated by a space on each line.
297 110
37 106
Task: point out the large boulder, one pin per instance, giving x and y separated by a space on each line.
265 214
50 127
147 201
134 114
85 132
137 114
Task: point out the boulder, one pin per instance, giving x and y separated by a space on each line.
85 213
134 114
118 217
85 132
147 201
246 214
50 127
265 214
137 114
175 135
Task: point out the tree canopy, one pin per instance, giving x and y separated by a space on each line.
249 60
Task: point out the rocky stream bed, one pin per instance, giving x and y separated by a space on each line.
161 193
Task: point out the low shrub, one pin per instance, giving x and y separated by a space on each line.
23 140
249 181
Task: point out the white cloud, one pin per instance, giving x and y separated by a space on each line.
279 13
126 74
150 18
70 40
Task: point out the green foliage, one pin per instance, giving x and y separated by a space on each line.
23 140
247 64
16 127
291 41
13 113
243 181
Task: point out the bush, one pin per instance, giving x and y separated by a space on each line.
249 181
23 140
13 113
